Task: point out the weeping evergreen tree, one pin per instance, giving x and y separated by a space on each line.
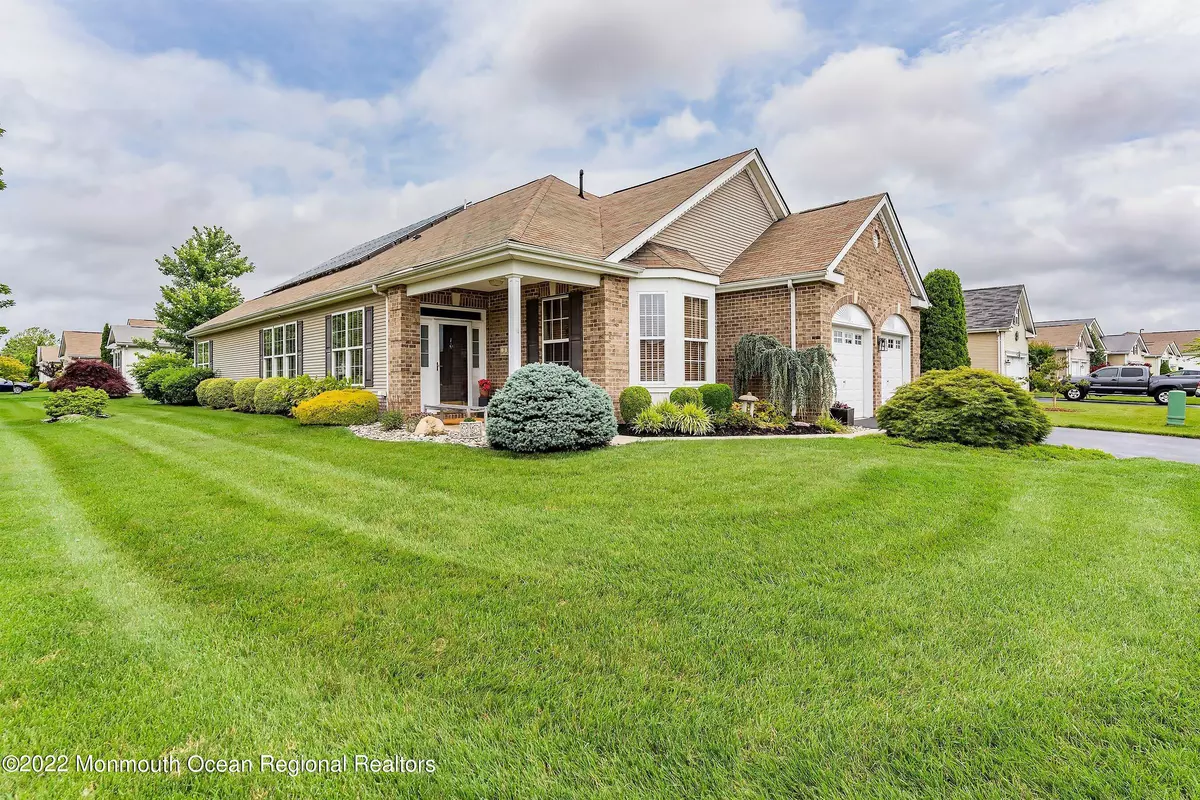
798 380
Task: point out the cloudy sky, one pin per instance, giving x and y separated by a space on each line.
1040 141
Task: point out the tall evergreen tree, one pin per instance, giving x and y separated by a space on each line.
105 353
944 323
201 270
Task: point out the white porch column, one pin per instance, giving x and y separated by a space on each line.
514 323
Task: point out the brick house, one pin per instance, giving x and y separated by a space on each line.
649 285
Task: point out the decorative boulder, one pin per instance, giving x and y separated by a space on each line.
429 426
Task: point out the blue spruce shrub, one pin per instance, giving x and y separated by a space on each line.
547 407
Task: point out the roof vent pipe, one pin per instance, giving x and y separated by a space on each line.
581 183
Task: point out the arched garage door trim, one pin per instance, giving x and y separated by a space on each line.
856 383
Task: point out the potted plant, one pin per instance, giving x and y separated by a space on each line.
842 413
485 391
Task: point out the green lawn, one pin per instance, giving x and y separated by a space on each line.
1192 400
837 618
1151 418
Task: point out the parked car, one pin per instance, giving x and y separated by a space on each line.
16 387
1132 379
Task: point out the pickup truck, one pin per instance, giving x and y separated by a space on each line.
1132 379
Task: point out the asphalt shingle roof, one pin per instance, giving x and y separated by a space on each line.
1120 342
992 308
802 242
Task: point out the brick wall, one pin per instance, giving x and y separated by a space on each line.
874 281
404 351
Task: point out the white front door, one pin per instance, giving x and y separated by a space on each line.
849 368
891 364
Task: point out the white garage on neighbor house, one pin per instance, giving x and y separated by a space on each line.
999 328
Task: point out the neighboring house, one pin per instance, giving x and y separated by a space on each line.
650 285
1159 343
122 345
999 329
1129 348
78 346
47 362
1074 341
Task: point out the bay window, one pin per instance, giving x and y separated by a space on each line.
279 351
695 338
346 343
652 337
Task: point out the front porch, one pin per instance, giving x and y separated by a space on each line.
444 336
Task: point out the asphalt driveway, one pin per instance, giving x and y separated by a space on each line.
1130 445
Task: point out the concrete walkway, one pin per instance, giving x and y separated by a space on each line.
1130 445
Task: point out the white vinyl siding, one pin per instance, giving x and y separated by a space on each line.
722 225
236 350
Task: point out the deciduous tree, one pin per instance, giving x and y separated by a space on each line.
201 270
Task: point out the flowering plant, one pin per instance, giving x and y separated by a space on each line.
485 387
839 404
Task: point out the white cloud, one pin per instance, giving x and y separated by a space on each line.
539 73
1057 151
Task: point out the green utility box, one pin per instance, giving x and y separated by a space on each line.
1176 407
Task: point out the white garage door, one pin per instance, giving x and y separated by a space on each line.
1078 368
848 345
891 364
1016 366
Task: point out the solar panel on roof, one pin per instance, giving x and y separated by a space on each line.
360 253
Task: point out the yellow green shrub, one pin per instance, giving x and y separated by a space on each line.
339 407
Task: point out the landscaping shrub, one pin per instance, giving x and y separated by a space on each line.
649 420
93 375
686 394
178 385
669 412
339 407
546 407
634 400
295 391
84 400
219 392
148 365
202 391
393 420
717 396
693 420
827 423
243 394
968 406
152 385
269 398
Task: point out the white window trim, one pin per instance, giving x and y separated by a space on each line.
284 355
708 314
207 363
543 320
662 338
333 351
